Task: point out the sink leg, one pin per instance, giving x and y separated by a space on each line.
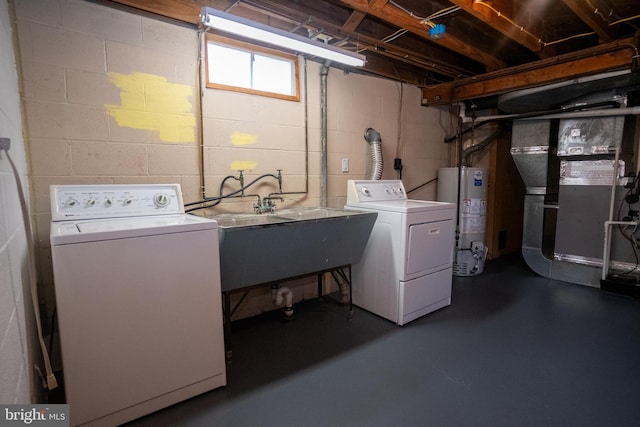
350 294
227 325
320 284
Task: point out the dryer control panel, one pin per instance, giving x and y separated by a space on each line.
362 191
114 201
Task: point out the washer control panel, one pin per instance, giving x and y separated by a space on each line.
114 201
362 191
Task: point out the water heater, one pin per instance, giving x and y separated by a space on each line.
470 250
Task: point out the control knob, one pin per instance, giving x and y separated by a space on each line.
161 200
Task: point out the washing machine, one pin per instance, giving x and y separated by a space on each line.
137 284
406 269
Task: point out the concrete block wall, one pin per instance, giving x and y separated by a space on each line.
110 97
17 330
100 86
355 102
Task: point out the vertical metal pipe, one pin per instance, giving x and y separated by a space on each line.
199 113
323 133
459 164
607 224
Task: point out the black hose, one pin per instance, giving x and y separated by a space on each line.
422 185
477 147
218 199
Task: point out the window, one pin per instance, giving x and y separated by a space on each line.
242 67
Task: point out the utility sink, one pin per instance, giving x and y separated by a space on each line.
301 214
246 220
262 248
230 220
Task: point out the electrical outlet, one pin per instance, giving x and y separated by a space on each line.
5 144
345 165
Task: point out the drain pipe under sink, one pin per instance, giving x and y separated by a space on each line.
280 294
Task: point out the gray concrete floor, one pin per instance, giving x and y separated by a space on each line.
513 349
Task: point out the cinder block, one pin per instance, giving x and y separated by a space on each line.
169 39
67 48
191 189
225 105
41 11
125 58
291 162
43 82
170 160
90 88
81 122
283 112
187 71
50 157
109 159
25 39
102 21
280 137
119 133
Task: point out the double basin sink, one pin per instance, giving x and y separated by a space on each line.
231 220
265 248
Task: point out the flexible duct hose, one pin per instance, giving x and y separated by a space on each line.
375 146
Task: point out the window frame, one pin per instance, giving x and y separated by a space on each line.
252 48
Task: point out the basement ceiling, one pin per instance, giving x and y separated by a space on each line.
456 49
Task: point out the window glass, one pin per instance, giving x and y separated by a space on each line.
243 67
229 66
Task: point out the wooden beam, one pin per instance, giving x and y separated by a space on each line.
486 13
354 20
182 10
390 13
618 55
377 4
587 15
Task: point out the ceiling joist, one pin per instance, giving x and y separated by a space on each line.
613 56
505 37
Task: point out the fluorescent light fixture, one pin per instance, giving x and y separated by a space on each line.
243 27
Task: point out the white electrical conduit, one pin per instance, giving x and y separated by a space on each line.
51 378
607 112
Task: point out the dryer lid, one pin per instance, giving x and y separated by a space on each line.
403 206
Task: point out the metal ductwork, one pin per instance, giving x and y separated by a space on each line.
567 166
374 168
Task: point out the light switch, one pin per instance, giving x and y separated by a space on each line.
345 165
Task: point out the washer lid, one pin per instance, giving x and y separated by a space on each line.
66 232
403 206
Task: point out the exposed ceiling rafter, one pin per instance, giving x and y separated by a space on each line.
489 45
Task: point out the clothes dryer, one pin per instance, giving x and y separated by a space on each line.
406 269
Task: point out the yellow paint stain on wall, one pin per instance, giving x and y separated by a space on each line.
243 165
150 102
239 138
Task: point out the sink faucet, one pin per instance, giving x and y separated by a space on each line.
267 205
